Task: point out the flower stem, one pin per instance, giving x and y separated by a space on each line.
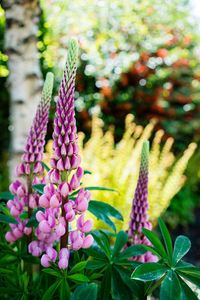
64 238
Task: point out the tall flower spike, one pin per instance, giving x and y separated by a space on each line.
33 151
24 197
65 157
139 215
64 177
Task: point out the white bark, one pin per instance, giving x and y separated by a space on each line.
25 79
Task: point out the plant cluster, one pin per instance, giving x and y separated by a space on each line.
101 156
46 217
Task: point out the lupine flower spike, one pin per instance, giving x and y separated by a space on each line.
25 199
139 212
64 178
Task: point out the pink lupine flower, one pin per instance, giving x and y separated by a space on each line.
49 257
82 200
24 197
87 241
64 177
76 239
63 258
139 215
84 226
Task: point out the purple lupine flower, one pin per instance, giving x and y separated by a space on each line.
24 197
33 151
64 177
139 214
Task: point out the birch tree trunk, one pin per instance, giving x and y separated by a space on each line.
25 78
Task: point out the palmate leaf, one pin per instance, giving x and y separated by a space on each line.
119 289
187 293
149 272
96 264
170 288
106 284
85 292
6 195
195 279
102 240
52 272
79 267
48 295
181 247
103 211
78 278
166 237
94 188
131 251
136 287
7 219
152 237
120 242
64 290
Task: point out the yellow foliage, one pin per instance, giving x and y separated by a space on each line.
117 166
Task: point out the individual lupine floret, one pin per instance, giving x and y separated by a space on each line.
50 256
65 175
25 199
139 214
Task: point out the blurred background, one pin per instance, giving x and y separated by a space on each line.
137 57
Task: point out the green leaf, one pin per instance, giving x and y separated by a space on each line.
52 272
64 290
103 242
7 219
151 249
187 293
95 252
106 284
24 215
87 172
189 270
95 188
155 242
170 288
166 237
80 266
106 208
136 287
78 277
96 264
39 188
32 222
100 188
131 251
181 247
119 290
195 279
45 166
85 292
6 195
103 211
149 272
51 290
120 242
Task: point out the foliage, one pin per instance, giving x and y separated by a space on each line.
171 272
118 166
